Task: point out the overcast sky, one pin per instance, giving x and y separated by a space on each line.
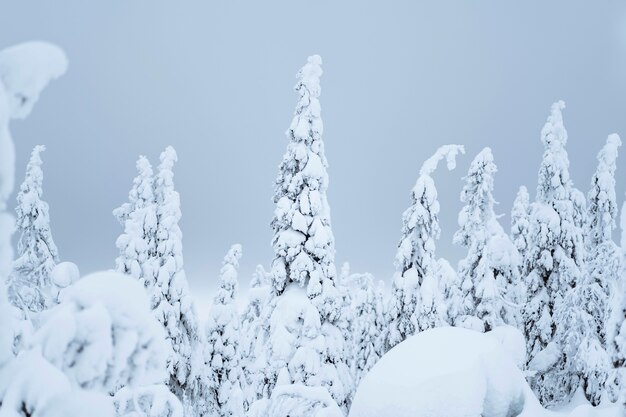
215 80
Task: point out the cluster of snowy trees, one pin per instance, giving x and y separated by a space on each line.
129 342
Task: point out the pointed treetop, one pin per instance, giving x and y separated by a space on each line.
33 170
233 255
309 75
553 132
143 165
168 158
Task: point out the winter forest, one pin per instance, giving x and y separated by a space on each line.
531 322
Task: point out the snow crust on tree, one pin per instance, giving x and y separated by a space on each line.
223 355
417 301
447 372
137 245
305 341
25 70
489 271
520 221
299 401
554 260
30 286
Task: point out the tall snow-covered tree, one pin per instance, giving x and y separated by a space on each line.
554 259
417 301
29 282
586 306
367 326
223 355
490 268
137 245
171 299
305 344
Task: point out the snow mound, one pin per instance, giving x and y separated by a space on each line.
64 274
26 69
443 372
512 342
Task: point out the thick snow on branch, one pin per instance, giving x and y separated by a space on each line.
449 152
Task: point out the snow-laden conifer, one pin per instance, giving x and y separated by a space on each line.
137 245
586 306
171 299
223 355
29 284
554 259
308 303
417 302
490 267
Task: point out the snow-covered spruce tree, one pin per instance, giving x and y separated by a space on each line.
490 268
255 330
587 304
417 302
223 357
137 245
305 345
367 326
172 302
616 332
555 259
29 282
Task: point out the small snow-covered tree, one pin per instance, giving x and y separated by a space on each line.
223 356
171 299
304 250
367 326
554 259
137 245
29 283
586 306
520 222
417 301
490 267
255 330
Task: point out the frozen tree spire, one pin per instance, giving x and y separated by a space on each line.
520 221
171 300
554 259
489 271
587 303
29 283
223 348
304 251
25 70
417 302
137 245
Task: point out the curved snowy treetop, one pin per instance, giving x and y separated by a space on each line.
553 132
307 124
25 70
449 152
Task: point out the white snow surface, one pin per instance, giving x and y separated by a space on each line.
442 372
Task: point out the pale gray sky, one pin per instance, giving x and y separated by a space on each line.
215 80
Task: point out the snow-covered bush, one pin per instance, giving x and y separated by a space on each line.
103 336
147 401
